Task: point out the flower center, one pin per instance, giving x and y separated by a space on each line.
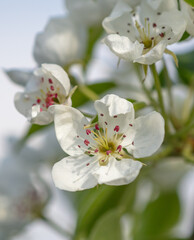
144 33
48 94
100 145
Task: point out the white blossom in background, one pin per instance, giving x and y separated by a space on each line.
183 103
142 35
102 153
48 86
89 12
62 42
188 12
21 199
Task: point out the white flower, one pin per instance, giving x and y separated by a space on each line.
48 86
21 200
188 12
89 12
143 35
183 103
62 42
102 152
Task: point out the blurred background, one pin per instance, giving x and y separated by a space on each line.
174 183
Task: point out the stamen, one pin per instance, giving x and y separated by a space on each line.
108 152
86 142
116 129
119 148
88 131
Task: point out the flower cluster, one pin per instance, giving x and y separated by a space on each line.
110 130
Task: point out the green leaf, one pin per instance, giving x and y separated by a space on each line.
107 227
79 98
186 70
185 36
139 105
94 33
95 202
190 2
158 217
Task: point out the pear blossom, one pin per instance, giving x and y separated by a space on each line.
142 35
62 42
21 199
188 12
183 103
103 152
48 86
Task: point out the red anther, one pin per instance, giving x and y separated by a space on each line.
40 109
56 95
97 127
106 123
86 142
50 81
108 152
88 131
115 116
101 114
87 164
79 146
132 143
124 136
52 88
119 148
154 25
131 125
116 129
161 35
96 150
38 100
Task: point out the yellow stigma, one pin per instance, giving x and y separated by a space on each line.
144 34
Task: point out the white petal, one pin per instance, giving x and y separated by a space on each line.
114 111
154 55
115 105
176 21
63 41
69 127
109 23
118 172
123 47
149 134
40 118
189 16
60 75
23 103
73 174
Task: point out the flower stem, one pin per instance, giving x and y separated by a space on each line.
183 131
169 85
159 91
146 91
56 227
88 92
